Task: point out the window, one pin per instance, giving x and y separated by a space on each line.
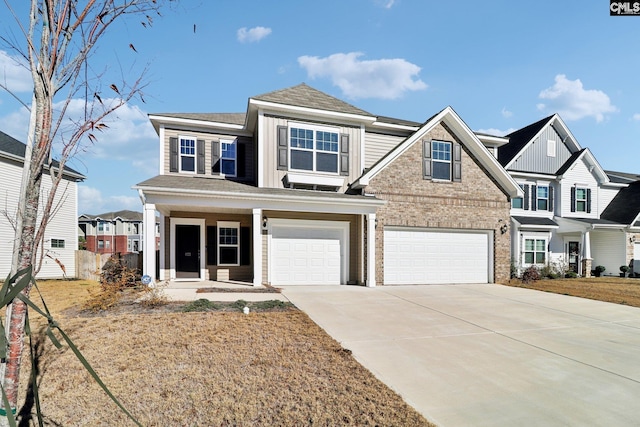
543 198
100 244
441 160
228 157
107 244
517 202
187 154
535 251
104 226
581 199
313 149
57 243
228 243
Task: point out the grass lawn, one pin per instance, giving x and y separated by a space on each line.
617 290
219 368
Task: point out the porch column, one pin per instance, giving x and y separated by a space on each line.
149 246
163 249
371 250
257 247
586 254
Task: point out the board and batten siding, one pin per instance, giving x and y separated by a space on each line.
62 226
581 176
378 145
535 158
273 177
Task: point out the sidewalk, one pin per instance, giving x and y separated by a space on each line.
222 291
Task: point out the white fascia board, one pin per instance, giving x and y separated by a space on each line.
493 141
330 181
395 126
272 106
190 123
531 175
557 120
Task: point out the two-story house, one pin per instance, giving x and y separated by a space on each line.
113 232
56 256
565 215
304 188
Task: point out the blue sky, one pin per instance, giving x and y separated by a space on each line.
500 64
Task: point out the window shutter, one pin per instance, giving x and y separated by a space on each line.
283 149
534 198
573 199
526 199
200 156
173 154
215 157
241 160
245 246
457 162
550 204
344 154
426 159
212 245
588 200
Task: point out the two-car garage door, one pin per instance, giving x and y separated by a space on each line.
427 256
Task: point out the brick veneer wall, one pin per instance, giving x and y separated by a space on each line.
475 203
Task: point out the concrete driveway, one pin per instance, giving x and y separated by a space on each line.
489 355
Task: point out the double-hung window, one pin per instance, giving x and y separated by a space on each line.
228 157
441 160
313 149
104 227
581 199
187 154
57 243
543 198
535 251
517 202
228 243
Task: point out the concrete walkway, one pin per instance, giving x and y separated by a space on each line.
490 355
188 291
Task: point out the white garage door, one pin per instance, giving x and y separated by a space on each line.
418 256
636 257
307 256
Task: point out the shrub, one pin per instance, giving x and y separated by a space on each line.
201 304
549 271
530 274
571 275
624 268
599 270
115 275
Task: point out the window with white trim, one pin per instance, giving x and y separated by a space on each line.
104 226
542 198
228 243
100 244
57 243
228 157
518 202
535 251
187 154
313 148
581 199
441 160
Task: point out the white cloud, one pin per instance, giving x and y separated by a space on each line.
573 102
387 4
254 34
496 132
636 117
506 113
92 202
381 78
14 73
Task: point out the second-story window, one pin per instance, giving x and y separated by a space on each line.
314 149
441 160
228 157
581 199
104 227
518 202
187 154
543 198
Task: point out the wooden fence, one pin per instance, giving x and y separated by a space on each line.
89 264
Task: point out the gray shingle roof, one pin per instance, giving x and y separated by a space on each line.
527 220
125 215
518 139
229 118
625 206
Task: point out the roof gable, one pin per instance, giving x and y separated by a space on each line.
625 206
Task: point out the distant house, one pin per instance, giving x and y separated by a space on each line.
61 236
112 232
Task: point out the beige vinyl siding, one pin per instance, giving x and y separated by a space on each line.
273 177
378 145
579 175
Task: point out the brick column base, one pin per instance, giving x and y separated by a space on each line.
586 267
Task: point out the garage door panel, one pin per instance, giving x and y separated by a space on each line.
435 257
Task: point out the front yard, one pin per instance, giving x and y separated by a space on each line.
205 368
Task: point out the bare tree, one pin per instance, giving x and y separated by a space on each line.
57 44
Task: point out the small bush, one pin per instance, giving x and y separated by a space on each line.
201 304
239 304
531 274
116 275
571 275
599 270
271 304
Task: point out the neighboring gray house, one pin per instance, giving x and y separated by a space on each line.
61 236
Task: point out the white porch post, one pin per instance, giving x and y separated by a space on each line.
149 246
371 250
163 248
585 265
257 247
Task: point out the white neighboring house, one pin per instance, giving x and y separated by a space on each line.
61 237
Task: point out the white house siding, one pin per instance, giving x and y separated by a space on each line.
605 196
378 145
580 175
62 226
608 248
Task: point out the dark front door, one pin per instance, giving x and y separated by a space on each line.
574 256
188 249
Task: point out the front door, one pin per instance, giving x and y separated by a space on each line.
187 251
574 256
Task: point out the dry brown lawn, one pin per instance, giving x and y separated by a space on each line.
206 369
617 290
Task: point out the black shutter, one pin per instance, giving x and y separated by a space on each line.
573 199
215 157
588 200
245 245
426 159
283 152
457 162
526 199
241 161
200 158
534 198
173 154
344 154
550 205
212 245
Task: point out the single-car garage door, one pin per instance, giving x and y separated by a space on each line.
308 253
423 256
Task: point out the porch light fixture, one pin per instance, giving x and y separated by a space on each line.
504 228
632 239
264 221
